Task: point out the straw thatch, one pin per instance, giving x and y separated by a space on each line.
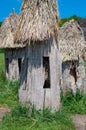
38 21
7 31
72 42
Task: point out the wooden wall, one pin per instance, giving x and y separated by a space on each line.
68 78
33 76
11 62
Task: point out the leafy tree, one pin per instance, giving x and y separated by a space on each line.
0 24
63 20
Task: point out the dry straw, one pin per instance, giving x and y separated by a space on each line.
38 21
7 31
71 40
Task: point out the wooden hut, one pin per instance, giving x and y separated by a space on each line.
40 76
12 52
72 44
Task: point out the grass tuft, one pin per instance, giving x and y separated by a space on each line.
39 120
8 92
75 104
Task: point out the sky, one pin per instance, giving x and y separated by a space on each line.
67 8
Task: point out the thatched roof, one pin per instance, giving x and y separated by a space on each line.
38 21
7 31
71 41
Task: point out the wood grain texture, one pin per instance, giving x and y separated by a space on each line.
11 62
35 93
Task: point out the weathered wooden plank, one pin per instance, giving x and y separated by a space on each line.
35 93
12 66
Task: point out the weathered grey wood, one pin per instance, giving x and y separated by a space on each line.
84 84
13 66
6 65
35 93
68 79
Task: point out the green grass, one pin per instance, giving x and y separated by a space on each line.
21 119
1 61
74 104
8 92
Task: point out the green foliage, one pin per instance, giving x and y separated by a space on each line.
1 51
75 104
8 92
64 20
1 60
39 120
0 23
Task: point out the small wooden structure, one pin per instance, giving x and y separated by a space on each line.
72 44
40 74
13 53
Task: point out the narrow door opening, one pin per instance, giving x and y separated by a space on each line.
46 66
73 75
26 70
7 65
19 64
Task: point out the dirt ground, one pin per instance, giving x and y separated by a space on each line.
80 121
3 111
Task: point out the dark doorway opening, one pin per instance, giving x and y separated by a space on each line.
46 66
19 64
26 71
7 65
73 74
